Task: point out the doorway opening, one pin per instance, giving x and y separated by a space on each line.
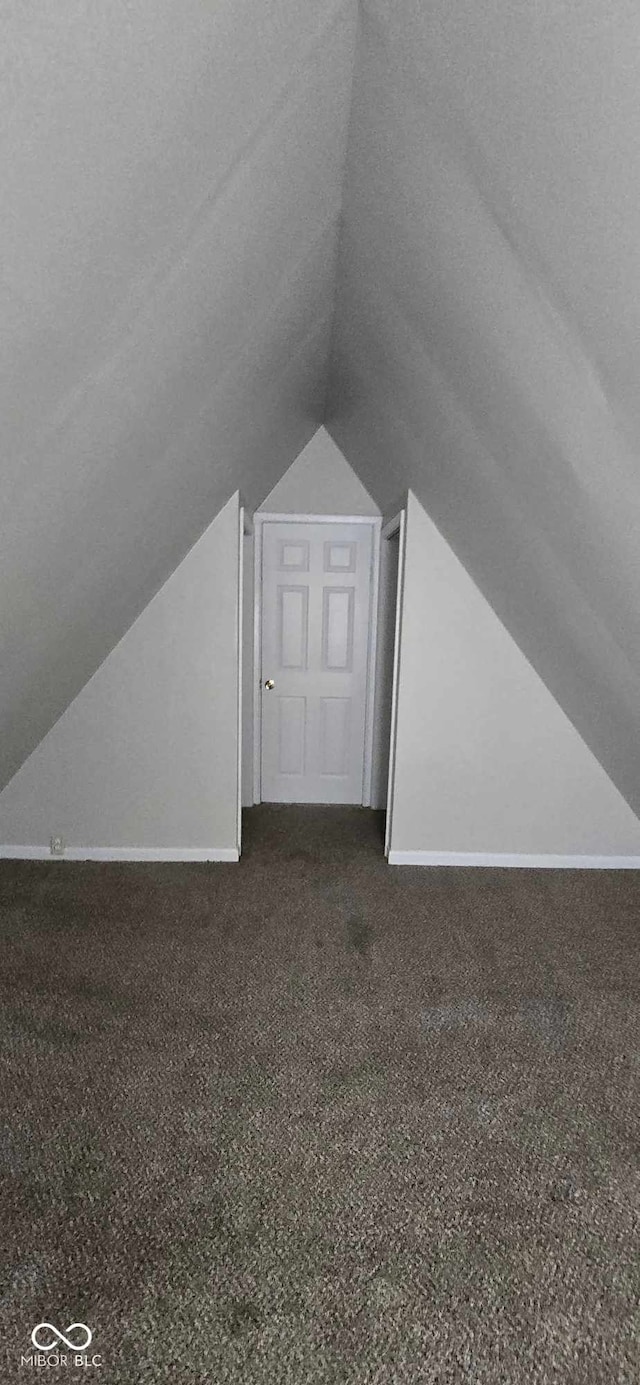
326 616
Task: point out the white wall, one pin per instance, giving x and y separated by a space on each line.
486 761
173 170
486 349
320 482
145 758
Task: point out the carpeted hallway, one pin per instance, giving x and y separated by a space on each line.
315 1119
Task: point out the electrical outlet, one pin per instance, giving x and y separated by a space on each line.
56 846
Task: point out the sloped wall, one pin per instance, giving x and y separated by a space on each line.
487 763
145 760
173 171
487 337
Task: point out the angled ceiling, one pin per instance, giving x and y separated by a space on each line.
171 177
487 335
173 172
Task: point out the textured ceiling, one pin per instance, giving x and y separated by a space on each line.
173 173
487 335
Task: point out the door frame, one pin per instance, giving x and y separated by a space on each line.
397 525
261 518
245 528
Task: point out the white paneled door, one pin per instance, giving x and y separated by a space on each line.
316 589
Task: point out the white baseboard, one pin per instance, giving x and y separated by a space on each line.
121 853
510 860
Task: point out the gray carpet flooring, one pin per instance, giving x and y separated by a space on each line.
315 1119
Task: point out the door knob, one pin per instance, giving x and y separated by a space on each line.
269 684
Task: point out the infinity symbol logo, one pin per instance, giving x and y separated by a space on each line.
59 1336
